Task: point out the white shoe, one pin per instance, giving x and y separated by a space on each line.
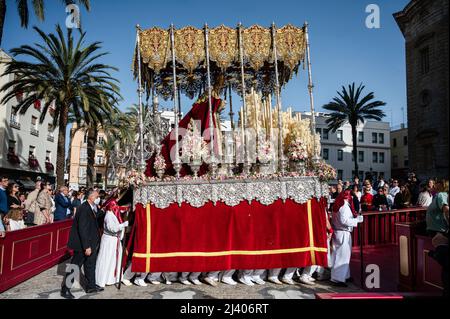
304 279
185 282
311 278
155 282
229 281
246 281
258 280
196 282
210 281
168 282
288 281
126 282
140 282
275 280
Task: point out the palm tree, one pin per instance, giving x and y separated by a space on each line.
63 74
38 8
351 107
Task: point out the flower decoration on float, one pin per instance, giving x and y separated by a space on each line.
324 171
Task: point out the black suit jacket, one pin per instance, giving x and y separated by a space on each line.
85 231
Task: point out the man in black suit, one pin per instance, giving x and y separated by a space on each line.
84 239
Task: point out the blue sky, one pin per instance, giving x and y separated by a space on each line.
343 50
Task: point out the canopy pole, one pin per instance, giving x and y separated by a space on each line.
311 96
176 162
140 90
233 143
213 163
281 157
244 102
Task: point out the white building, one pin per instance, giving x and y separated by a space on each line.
22 136
374 154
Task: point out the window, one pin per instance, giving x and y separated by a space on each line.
83 155
325 134
50 134
360 136
101 140
99 159
395 161
339 174
405 140
381 138
85 138
405 161
339 135
14 120
325 154
374 138
375 157
340 155
381 157
98 178
424 60
360 156
394 142
319 131
82 174
374 175
48 156
34 126
31 150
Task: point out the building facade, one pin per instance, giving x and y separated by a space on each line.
27 147
424 24
399 153
374 155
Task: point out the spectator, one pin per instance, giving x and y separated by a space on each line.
31 205
22 198
62 204
403 198
425 196
356 182
368 186
431 187
3 196
414 189
366 200
437 226
347 185
339 189
76 201
380 201
45 204
394 188
380 182
13 198
390 199
14 220
356 195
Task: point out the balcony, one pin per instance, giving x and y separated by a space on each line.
14 124
50 137
34 131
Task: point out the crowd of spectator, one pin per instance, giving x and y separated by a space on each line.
43 205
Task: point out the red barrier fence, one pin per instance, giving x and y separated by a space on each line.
379 227
30 251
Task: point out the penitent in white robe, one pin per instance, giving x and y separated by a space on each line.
110 253
343 223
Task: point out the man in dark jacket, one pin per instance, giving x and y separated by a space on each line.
84 239
62 204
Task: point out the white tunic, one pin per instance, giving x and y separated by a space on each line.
343 223
110 253
16 225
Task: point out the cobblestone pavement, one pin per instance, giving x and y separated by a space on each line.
47 284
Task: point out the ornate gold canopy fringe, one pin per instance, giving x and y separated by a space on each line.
155 51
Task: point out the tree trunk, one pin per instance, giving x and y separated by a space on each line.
2 18
355 149
61 149
91 145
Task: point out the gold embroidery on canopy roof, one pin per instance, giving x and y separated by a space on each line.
223 46
291 45
189 47
257 44
154 48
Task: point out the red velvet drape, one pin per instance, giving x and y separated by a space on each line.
199 112
246 236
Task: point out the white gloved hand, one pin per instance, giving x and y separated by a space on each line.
125 224
360 218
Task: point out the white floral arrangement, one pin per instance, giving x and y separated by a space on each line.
133 177
297 151
265 151
160 163
324 171
193 147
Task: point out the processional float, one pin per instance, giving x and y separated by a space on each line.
210 202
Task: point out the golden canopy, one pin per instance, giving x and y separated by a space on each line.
190 55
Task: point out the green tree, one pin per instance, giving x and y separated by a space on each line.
64 74
350 106
38 7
